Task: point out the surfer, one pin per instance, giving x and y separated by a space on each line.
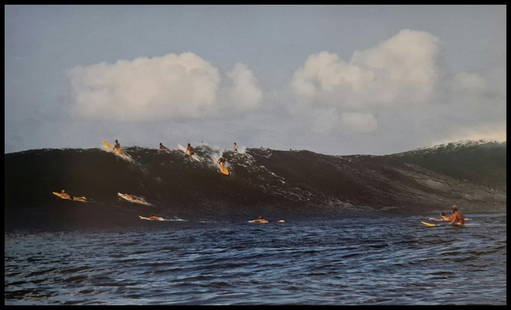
132 197
221 161
69 196
164 148
189 150
235 147
457 217
260 219
443 218
117 146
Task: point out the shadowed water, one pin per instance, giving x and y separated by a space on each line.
353 261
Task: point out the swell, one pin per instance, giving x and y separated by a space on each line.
272 183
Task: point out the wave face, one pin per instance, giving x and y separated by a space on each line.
482 163
263 182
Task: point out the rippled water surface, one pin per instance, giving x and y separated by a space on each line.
391 260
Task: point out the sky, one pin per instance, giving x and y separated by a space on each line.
333 79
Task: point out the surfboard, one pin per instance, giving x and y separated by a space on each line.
439 220
183 149
152 218
121 153
164 148
62 195
68 197
81 199
223 170
429 224
134 199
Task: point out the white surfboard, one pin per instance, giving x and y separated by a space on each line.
134 199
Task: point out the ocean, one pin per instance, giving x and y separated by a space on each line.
361 260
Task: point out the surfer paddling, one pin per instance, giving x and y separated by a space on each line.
457 217
164 148
65 195
443 218
260 219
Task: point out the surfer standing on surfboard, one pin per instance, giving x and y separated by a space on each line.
221 161
117 146
235 147
189 150
457 217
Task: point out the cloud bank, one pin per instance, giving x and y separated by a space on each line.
398 82
160 88
401 70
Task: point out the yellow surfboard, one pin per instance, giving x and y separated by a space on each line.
429 224
119 152
152 218
223 170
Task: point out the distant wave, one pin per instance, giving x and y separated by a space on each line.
270 183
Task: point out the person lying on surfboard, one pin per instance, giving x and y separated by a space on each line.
69 196
189 150
443 218
260 219
164 148
457 217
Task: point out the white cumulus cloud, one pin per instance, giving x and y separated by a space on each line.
151 89
400 70
245 92
468 83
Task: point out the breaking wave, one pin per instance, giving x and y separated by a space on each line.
271 183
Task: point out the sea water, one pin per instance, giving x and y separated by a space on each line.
352 261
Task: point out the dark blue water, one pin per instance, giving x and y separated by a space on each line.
358 261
